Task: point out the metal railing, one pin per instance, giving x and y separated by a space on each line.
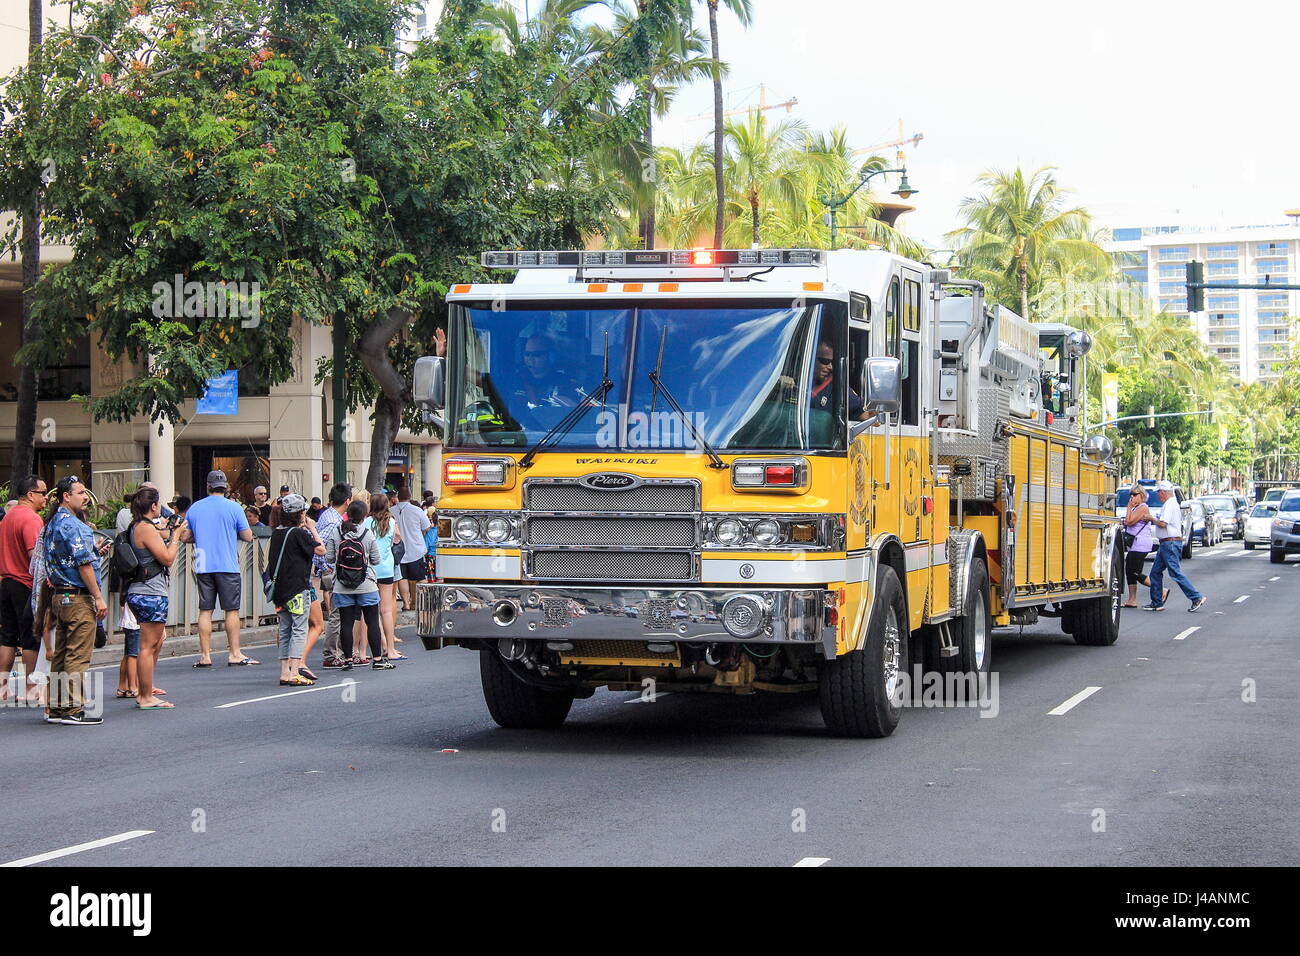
183 590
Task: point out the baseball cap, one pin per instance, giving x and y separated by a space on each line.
1165 486
217 479
291 504
284 489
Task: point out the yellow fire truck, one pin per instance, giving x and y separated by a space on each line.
755 470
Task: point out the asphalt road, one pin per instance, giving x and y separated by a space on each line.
1166 764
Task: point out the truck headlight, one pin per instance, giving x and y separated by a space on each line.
497 529
467 528
767 531
727 531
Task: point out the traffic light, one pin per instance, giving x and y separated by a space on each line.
1195 293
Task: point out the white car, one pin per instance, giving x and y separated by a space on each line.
1259 525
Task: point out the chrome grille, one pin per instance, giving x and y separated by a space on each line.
614 565
667 497
613 532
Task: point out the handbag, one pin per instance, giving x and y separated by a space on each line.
1130 538
268 578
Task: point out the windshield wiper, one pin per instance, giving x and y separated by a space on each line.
714 460
570 421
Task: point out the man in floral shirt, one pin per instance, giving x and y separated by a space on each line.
75 602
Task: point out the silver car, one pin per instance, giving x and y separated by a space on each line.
1285 536
1259 525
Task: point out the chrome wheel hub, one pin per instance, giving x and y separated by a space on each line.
892 653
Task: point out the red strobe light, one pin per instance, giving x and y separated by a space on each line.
702 257
780 474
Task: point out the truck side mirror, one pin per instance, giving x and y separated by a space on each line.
428 385
882 385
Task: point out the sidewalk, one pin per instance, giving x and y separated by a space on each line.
181 645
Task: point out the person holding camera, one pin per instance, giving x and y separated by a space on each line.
155 540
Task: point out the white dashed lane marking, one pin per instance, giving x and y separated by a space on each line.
1275 578
813 861
1186 634
79 848
1244 597
1076 699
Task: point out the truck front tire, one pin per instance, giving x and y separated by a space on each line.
862 691
517 705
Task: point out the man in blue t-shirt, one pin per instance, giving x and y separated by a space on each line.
216 526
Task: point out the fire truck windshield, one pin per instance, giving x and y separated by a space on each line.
751 376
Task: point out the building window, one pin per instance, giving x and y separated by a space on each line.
1166 288
1272 300
1221 269
1173 270
1219 303
1223 252
1272 318
1173 254
1222 319
1137 275
1270 249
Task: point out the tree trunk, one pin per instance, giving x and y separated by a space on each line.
753 211
25 422
719 185
1022 274
394 391
652 180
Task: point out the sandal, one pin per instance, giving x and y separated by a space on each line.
201 664
1128 605
297 680
161 705
304 672
124 694
244 663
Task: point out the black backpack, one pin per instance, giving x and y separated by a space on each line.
351 562
125 564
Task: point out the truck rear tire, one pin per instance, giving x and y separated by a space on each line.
517 705
862 691
1095 622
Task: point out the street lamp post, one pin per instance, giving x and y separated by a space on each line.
865 175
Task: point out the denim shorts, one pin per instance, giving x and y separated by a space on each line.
365 599
148 608
130 642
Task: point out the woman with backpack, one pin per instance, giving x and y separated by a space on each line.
389 538
154 553
292 547
353 551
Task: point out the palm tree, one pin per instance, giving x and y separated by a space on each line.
763 163
744 13
1017 229
676 58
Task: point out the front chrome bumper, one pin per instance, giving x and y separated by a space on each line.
573 612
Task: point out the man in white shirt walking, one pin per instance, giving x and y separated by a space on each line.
1168 524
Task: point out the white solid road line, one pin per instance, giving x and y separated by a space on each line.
1244 597
292 693
79 848
1186 634
813 861
1076 699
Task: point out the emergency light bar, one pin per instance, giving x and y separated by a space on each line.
651 258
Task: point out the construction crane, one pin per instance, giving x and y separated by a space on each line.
900 142
762 107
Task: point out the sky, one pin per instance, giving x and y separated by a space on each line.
1153 112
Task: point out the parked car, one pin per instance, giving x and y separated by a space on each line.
1285 536
1153 502
1205 527
1275 494
1259 525
1232 509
